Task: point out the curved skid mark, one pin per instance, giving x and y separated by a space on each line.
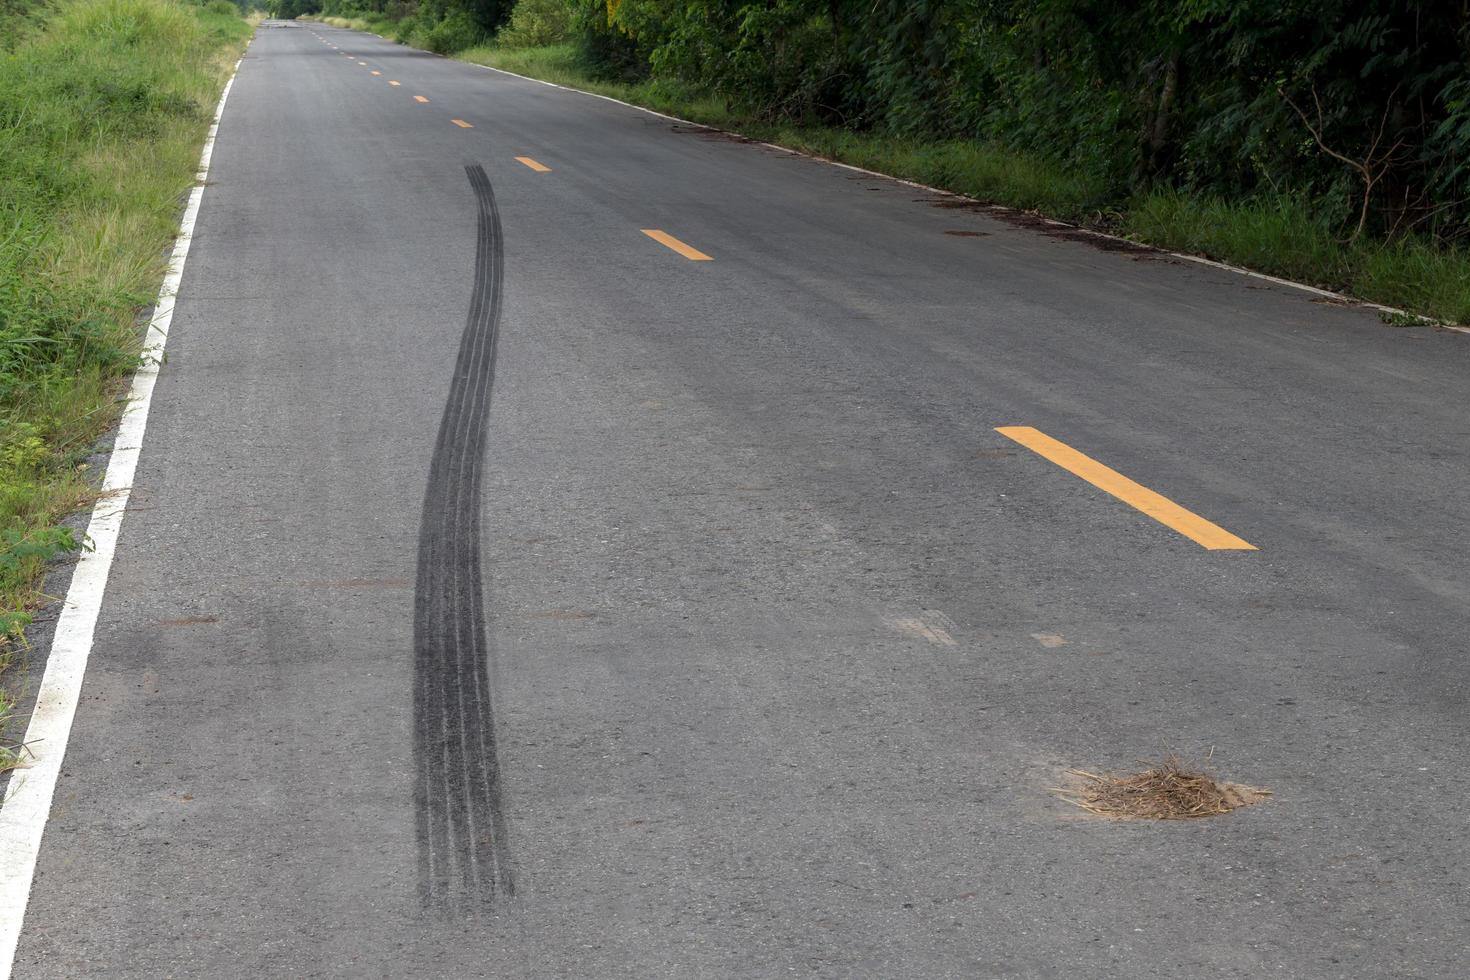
463 852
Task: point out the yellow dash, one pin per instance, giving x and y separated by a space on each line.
363 63
534 165
377 73
1160 508
420 98
461 124
692 254
393 83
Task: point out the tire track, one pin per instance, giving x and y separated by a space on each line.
463 852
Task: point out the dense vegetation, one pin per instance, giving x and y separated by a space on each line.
1362 105
443 26
1327 140
103 105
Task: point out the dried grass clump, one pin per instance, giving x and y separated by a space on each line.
1167 791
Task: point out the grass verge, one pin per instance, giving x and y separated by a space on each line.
1280 236
103 107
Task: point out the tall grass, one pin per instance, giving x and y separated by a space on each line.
1284 236
103 106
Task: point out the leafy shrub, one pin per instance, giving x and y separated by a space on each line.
606 50
536 23
454 33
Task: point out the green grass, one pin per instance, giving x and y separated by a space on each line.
1284 237
1416 276
979 170
1279 236
103 107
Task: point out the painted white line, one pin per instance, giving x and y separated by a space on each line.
28 797
1226 267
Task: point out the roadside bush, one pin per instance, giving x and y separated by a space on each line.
536 23
606 50
450 35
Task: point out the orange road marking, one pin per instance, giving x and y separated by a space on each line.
534 165
420 98
1160 508
377 73
665 239
393 83
461 124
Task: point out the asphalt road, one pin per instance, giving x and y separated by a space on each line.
735 641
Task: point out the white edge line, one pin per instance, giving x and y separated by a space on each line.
1223 266
28 797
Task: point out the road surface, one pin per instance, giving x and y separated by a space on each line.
509 592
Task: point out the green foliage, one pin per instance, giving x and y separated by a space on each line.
291 9
1360 106
1294 233
536 23
94 81
103 104
22 556
455 32
1272 233
18 548
1285 236
19 19
1415 273
441 26
605 50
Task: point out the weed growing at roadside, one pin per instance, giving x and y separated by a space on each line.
103 106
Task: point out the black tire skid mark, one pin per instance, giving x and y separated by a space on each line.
463 850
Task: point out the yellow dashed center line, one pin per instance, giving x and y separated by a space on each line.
540 169
1160 508
689 252
393 83
363 63
461 124
420 98
377 73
